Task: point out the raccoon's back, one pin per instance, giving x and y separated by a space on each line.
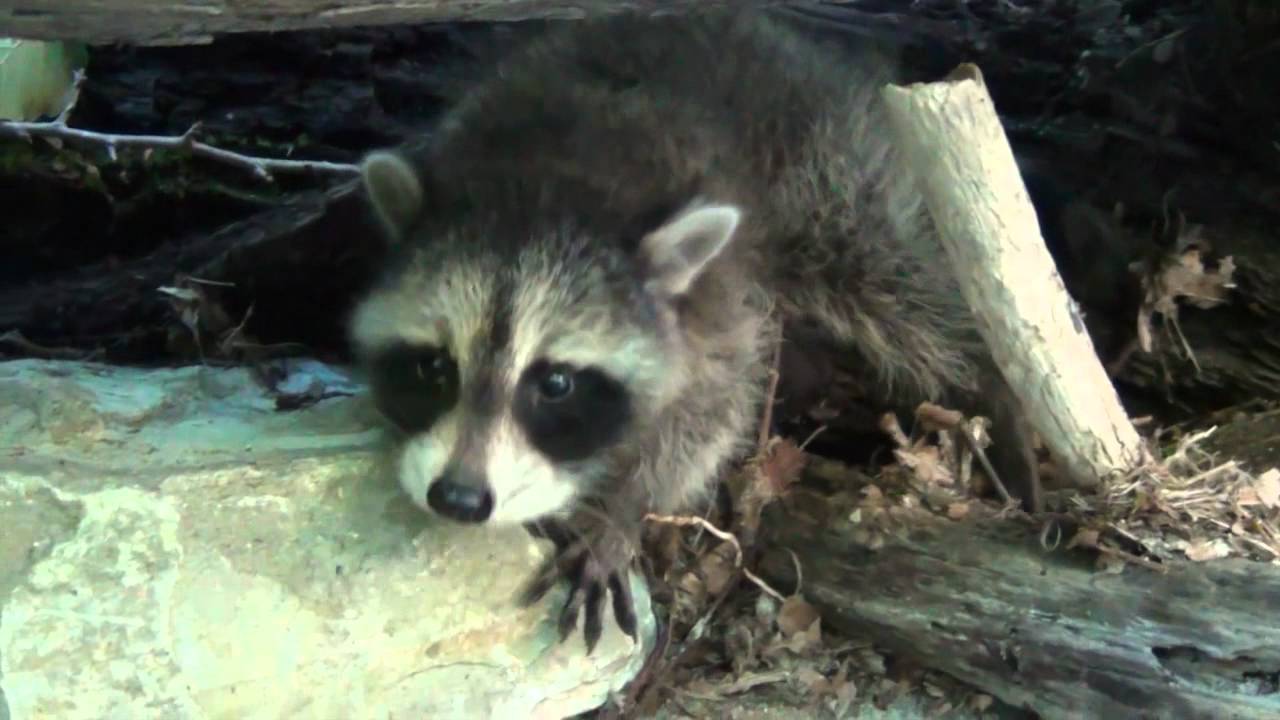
638 115
615 123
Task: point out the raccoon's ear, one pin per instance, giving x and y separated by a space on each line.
394 189
679 251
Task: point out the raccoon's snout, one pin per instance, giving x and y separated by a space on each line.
462 500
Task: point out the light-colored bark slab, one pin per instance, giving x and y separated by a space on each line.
955 145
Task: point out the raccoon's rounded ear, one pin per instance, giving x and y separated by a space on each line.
678 252
394 188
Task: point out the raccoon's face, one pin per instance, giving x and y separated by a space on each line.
517 377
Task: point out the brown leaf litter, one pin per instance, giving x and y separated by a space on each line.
1181 275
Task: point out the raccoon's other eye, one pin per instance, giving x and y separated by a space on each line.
413 385
432 369
556 384
570 413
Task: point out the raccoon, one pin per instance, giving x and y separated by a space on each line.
594 252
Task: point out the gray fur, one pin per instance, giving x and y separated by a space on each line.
545 187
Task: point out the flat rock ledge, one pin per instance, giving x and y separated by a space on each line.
172 546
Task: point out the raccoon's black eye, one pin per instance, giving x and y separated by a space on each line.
570 413
414 385
556 384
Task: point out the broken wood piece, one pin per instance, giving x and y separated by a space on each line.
954 143
980 601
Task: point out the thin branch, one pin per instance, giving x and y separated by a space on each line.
771 394
728 537
261 167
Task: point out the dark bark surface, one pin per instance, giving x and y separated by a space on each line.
91 238
118 310
171 23
1160 107
983 603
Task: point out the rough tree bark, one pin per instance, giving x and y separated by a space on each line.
981 602
954 144
119 312
333 94
164 22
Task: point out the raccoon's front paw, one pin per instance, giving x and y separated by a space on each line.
592 564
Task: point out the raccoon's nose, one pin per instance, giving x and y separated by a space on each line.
468 502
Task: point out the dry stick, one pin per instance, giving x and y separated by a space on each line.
723 535
981 454
762 440
20 342
261 167
951 139
958 427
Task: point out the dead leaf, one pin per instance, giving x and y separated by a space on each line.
926 465
717 567
981 702
800 626
1267 486
889 424
812 679
750 680
796 615
1181 275
846 693
1111 564
935 417
768 477
1085 537
1203 550
939 709
783 465
958 510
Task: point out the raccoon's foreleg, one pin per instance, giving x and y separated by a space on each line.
594 551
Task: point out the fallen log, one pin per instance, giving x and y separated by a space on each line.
162 22
981 601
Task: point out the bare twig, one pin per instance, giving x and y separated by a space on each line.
981 454
687 520
261 167
723 535
17 340
766 419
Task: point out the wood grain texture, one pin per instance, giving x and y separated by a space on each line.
954 142
1045 631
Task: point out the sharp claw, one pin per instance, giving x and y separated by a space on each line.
542 582
623 605
569 615
593 623
589 581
